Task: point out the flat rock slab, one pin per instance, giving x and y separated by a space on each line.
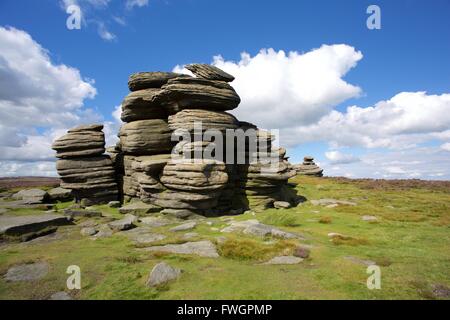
60 296
201 248
184 227
332 202
123 224
139 208
254 227
360 261
143 235
74 213
161 274
27 272
16 226
20 204
369 218
156 221
284 260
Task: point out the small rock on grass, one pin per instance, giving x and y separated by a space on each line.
123 224
184 226
104 231
301 252
284 260
161 274
114 204
27 272
281 205
60 296
369 218
88 231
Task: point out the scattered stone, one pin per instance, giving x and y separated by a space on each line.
60 296
139 208
3 210
161 274
301 252
27 272
104 231
333 202
31 196
254 227
360 261
333 235
284 260
88 231
128 222
114 204
60 194
143 235
203 248
190 235
82 213
156 221
440 291
184 226
28 227
281 205
369 218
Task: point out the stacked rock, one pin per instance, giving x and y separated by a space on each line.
264 178
309 168
83 167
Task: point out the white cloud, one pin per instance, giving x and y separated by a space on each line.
404 121
280 90
104 33
337 157
130 4
446 146
39 100
422 162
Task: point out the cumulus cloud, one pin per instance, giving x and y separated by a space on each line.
130 4
337 157
285 90
404 121
446 146
397 164
39 100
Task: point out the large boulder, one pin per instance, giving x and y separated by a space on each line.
89 178
207 71
142 105
184 175
60 194
31 196
145 137
189 118
197 93
82 141
145 80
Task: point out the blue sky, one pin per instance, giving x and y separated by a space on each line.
408 54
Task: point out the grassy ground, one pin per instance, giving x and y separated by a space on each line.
410 241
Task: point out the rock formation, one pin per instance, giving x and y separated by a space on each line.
309 168
83 167
174 153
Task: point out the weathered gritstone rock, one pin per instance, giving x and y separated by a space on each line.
207 175
209 72
161 274
143 105
24 228
27 272
31 196
145 80
145 137
83 141
201 248
197 93
82 166
60 194
209 120
89 178
309 168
